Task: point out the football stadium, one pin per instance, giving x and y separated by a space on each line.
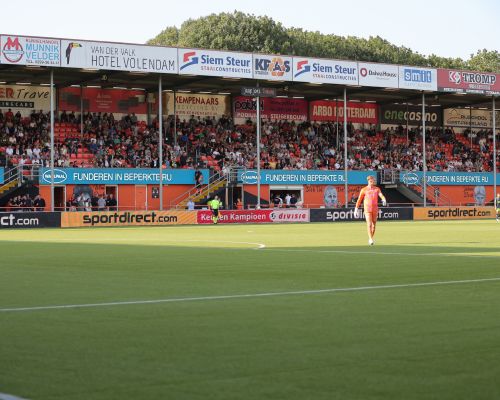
189 223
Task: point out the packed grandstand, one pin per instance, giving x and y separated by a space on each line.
218 143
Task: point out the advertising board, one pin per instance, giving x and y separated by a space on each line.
126 218
451 213
25 220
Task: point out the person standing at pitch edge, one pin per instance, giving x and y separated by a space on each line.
497 207
369 196
214 205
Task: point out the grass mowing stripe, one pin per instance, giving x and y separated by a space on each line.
382 253
250 295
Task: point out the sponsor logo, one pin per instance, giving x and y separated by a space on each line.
249 177
71 46
482 79
188 59
13 50
289 216
455 77
59 176
410 179
302 68
417 75
276 66
12 220
236 217
363 72
457 213
128 218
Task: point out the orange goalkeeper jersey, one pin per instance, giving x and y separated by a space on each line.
369 197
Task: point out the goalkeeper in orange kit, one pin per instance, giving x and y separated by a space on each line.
369 196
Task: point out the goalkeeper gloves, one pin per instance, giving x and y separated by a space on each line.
356 213
384 203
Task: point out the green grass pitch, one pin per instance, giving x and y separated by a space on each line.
239 312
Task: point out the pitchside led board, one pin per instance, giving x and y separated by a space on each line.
215 63
448 178
1 175
118 56
317 70
310 177
119 176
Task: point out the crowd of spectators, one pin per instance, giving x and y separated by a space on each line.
26 203
220 144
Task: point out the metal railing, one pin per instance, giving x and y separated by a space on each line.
199 192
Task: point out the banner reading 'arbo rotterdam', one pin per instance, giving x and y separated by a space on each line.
317 70
310 177
215 63
23 50
118 56
364 113
450 80
118 176
274 109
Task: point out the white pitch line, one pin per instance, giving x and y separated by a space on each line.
384 253
251 295
5 396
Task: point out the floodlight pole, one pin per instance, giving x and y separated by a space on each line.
52 140
175 119
494 154
160 140
424 152
258 152
81 112
345 149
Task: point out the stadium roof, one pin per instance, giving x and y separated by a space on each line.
15 50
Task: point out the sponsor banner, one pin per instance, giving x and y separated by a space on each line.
393 114
199 105
271 108
417 78
317 70
444 213
272 68
364 113
22 50
450 80
255 216
2 175
309 177
378 75
26 98
215 63
120 176
127 218
103 100
448 178
347 214
469 118
236 216
117 56
30 220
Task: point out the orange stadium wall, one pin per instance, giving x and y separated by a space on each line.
129 197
